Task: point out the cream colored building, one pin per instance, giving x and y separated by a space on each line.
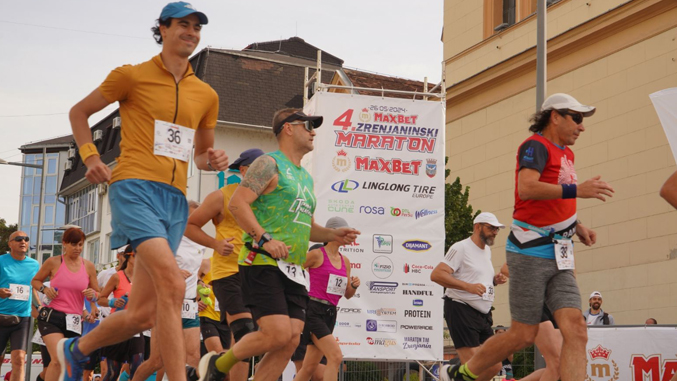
608 53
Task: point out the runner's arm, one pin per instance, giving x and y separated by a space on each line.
343 236
312 259
350 290
442 275
42 274
206 157
261 178
97 171
669 190
108 289
210 209
530 188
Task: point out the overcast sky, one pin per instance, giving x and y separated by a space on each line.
53 53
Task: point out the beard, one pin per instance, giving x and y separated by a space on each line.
596 306
489 241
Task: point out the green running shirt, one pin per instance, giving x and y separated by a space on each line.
286 212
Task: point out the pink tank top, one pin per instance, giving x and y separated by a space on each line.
70 286
327 282
124 288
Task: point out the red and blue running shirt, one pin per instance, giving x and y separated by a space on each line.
556 166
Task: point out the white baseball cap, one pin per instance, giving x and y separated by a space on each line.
488 218
561 101
595 293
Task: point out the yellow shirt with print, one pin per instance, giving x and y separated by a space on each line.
226 265
148 92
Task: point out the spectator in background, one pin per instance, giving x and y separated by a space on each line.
650 321
595 315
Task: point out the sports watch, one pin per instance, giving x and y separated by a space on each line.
265 237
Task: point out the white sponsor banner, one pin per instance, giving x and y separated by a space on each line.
665 103
631 353
379 163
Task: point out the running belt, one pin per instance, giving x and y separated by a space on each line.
541 231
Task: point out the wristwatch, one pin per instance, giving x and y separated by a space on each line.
265 237
42 288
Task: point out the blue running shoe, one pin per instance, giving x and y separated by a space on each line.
71 369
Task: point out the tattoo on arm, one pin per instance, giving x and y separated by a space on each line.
259 175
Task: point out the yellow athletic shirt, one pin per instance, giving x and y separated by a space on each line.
148 92
226 265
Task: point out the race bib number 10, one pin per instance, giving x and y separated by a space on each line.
189 309
173 141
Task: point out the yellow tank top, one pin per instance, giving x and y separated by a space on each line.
210 312
223 266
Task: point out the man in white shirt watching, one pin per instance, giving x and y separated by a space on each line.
468 276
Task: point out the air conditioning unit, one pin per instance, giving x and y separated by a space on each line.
102 189
98 136
71 153
117 122
68 165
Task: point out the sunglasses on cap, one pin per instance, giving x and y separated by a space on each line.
21 238
307 124
575 116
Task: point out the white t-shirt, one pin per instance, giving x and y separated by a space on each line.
189 257
103 278
471 265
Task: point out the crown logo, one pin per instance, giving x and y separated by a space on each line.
599 352
342 153
365 110
431 161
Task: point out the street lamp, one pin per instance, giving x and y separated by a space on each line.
43 167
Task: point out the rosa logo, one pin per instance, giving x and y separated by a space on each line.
416 245
372 210
345 186
382 267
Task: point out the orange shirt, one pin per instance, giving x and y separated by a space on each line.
148 92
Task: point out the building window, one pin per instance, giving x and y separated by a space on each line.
93 251
81 209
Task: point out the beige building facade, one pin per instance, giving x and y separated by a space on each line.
608 53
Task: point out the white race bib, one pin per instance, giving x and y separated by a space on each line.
564 254
217 307
74 323
336 285
294 272
19 291
173 141
37 338
188 309
146 333
489 293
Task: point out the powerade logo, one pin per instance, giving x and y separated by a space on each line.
378 287
345 186
416 245
417 302
425 212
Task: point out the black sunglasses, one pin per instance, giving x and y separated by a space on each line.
575 116
21 238
307 124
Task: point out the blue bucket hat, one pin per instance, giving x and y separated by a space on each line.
181 9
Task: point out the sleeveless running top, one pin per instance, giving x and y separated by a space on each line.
226 265
69 286
327 282
210 312
124 287
286 212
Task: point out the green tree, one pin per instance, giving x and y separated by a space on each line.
458 214
5 232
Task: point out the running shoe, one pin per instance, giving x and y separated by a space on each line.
71 369
452 373
207 368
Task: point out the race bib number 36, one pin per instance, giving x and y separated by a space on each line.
173 141
19 291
